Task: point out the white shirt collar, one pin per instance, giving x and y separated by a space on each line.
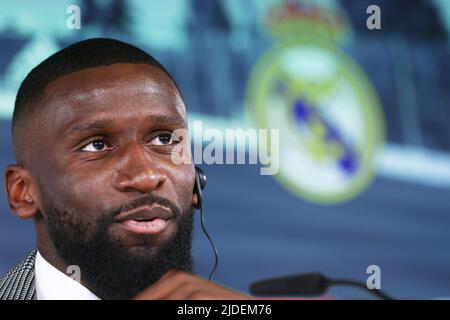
52 284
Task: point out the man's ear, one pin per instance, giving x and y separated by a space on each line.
21 191
195 199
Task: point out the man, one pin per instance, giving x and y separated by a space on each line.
94 129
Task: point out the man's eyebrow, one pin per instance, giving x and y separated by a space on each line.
105 123
99 124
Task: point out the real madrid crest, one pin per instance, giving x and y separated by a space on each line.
327 111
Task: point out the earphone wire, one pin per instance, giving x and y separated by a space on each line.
216 253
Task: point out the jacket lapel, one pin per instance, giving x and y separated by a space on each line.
18 283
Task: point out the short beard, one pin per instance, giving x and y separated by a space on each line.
108 268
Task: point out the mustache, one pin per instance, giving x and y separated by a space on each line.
147 199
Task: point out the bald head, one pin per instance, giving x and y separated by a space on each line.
33 97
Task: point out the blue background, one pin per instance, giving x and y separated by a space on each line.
401 222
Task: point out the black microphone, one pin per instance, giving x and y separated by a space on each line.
308 284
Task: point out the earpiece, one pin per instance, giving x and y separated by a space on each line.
200 184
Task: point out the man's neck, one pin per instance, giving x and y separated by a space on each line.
50 254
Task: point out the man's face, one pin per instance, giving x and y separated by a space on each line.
103 163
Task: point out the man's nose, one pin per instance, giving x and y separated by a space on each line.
139 172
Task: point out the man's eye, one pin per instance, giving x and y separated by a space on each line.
164 139
96 146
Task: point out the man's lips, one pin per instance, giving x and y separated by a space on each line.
146 212
148 219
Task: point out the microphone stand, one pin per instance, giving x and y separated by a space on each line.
357 284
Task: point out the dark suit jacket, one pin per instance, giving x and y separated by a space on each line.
18 283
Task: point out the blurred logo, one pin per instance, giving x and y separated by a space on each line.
328 113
